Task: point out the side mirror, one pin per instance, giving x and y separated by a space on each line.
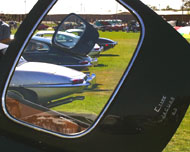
78 44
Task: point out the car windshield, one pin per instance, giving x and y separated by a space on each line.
68 40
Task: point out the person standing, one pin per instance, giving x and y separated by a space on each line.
5 32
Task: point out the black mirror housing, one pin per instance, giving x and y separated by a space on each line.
84 43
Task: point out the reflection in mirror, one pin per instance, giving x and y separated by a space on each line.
70 24
64 92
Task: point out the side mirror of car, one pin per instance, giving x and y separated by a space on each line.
78 44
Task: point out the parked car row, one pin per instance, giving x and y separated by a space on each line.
52 63
109 25
40 49
117 25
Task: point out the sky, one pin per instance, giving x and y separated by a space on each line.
80 6
176 4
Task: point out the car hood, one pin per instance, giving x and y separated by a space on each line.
37 73
50 69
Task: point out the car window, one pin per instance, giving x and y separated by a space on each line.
67 41
68 99
36 47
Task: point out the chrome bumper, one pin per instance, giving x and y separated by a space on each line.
91 79
94 61
101 49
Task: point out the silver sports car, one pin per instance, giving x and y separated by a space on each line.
43 82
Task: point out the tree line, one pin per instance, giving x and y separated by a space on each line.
185 6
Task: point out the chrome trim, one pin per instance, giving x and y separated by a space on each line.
53 85
94 61
79 65
77 135
91 80
101 49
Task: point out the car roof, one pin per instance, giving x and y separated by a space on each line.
42 39
45 32
74 30
52 32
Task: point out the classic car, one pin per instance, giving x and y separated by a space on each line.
142 114
71 37
40 49
109 25
106 43
46 82
103 42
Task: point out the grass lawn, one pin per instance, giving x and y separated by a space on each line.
181 140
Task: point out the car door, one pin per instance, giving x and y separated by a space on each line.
145 108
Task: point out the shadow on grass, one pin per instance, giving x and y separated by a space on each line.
105 55
101 65
60 101
96 88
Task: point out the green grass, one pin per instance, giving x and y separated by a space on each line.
181 140
110 68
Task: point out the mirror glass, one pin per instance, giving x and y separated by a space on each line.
66 35
64 92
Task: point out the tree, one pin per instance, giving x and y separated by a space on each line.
167 8
154 8
186 5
